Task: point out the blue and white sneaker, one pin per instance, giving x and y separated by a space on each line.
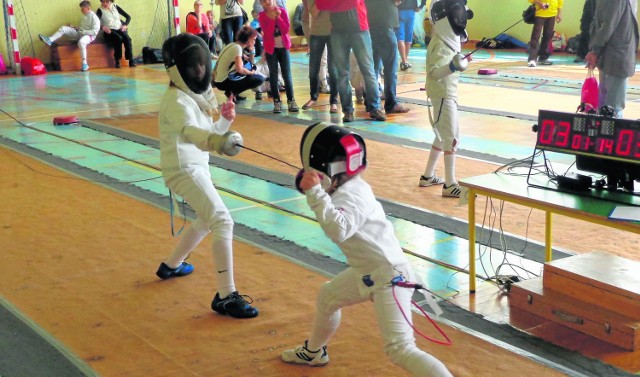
45 39
302 355
165 272
85 67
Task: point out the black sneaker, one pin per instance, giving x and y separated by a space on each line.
258 96
234 305
165 272
117 63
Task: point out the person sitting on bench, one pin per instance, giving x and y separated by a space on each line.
115 30
83 34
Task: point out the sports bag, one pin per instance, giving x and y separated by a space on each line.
589 98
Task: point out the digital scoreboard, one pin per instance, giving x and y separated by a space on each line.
589 135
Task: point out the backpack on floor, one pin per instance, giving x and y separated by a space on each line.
32 66
151 55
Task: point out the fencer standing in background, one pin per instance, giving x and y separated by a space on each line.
444 64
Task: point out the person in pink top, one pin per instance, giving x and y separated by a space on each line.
198 24
274 22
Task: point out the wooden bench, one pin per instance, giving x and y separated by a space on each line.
66 56
298 42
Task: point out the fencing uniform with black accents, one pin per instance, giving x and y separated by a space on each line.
356 222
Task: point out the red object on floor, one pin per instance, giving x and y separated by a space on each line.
64 120
32 66
487 71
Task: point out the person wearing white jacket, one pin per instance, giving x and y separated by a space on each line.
350 215
85 33
187 134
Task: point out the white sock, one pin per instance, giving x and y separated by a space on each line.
188 241
449 169
323 329
223 265
430 170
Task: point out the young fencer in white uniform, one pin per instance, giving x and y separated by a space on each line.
187 134
444 64
350 215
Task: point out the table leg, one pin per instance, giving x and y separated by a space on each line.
547 237
472 241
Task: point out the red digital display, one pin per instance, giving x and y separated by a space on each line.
589 135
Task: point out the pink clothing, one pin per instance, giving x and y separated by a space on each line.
336 5
192 24
344 6
268 30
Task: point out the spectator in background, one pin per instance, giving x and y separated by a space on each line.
198 24
115 30
404 33
230 73
350 31
255 24
230 19
612 49
215 30
297 19
319 49
83 34
588 12
257 7
383 19
548 12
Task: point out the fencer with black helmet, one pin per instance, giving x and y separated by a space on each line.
188 63
449 19
332 150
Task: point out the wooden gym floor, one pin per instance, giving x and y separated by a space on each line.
85 223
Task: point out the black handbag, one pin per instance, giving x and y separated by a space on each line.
529 15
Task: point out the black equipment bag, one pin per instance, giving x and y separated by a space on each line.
529 15
151 55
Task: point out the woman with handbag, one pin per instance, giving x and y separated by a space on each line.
230 73
548 13
231 19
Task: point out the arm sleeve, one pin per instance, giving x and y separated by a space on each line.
206 27
606 21
339 221
94 28
127 18
283 21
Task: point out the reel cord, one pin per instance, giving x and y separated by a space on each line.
415 286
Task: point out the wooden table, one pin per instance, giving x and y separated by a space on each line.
591 206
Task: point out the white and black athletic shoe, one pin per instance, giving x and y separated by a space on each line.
430 181
302 355
452 191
